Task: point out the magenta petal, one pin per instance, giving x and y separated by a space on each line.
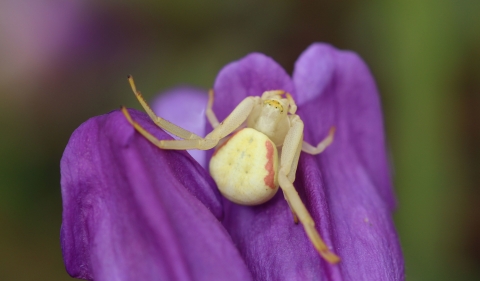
250 76
185 107
274 248
351 188
347 188
135 212
348 100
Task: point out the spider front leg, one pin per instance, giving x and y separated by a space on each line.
288 165
310 149
231 123
160 122
212 118
186 144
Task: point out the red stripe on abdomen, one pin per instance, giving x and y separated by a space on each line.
270 177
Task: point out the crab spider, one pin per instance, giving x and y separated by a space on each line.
249 142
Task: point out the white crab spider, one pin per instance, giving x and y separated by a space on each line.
245 166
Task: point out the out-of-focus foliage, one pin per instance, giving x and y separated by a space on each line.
62 62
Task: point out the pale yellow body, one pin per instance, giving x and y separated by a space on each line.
245 168
270 119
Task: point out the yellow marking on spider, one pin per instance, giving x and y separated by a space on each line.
274 103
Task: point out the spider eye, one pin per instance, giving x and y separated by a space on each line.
274 103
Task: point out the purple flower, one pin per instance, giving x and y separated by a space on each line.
136 212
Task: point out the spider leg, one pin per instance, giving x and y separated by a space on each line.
160 122
306 219
231 123
288 165
295 217
310 149
269 94
200 143
293 105
212 118
235 119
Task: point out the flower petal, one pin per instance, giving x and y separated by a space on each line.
274 248
185 107
350 196
349 100
136 212
347 188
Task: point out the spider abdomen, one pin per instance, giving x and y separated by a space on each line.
245 167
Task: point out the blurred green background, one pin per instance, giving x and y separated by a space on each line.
62 62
